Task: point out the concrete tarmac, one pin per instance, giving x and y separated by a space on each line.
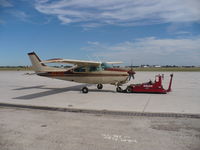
18 88
27 129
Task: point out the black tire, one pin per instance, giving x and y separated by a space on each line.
85 90
119 89
99 86
129 89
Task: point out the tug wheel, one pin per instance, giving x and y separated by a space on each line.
128 89
85 90
99 86
118 89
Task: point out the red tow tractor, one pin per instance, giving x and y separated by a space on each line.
150 87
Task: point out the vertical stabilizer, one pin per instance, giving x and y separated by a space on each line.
38 66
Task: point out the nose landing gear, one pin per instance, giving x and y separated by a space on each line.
119 89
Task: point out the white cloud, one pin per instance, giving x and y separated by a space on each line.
2 21
64 19
19 14
5 3
183 51
121 12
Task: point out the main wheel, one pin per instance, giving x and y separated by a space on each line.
99 86
85 90
118 89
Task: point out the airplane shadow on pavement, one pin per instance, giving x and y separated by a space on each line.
52 91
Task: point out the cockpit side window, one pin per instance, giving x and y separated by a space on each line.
80 69
92 68
106 66
87 68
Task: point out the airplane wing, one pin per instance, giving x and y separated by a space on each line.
119 62
72 61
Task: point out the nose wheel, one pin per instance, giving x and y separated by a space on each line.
84 90
119 89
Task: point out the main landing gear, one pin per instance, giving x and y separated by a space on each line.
85 89
99 86
118 88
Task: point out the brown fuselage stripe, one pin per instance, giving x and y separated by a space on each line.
115 69
69 74
81 75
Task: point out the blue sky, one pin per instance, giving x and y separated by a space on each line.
156 32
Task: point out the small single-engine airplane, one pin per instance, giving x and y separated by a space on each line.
91 72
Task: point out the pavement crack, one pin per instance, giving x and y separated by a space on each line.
146 103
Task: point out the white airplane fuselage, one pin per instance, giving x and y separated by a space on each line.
97 77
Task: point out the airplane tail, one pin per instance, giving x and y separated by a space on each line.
38 66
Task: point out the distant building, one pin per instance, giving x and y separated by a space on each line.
144 66
157 66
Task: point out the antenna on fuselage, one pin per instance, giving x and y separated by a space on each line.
89 57
98 58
